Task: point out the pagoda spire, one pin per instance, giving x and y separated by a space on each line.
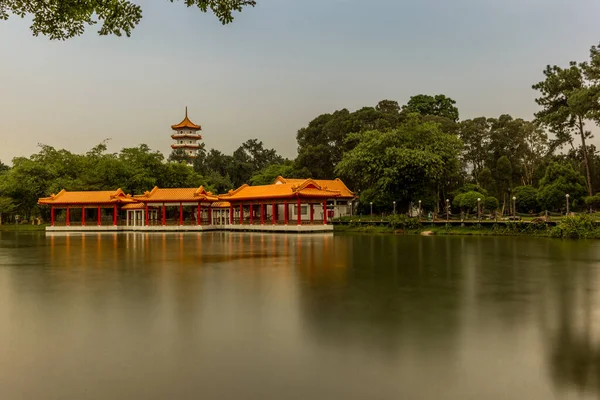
186 111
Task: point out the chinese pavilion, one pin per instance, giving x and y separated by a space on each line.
286 205
186 135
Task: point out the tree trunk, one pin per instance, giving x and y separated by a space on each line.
585 158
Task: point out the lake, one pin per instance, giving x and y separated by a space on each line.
262 316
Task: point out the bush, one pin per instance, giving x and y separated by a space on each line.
400 221
592 201
526 198
576 227
467 201
491 203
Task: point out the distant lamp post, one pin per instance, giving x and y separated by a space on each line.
478 209
567 196
514 206
447 210
419 208
371 203
394 206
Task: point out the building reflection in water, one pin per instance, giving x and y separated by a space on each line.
480 317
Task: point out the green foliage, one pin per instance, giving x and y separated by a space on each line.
438 105
569 97
267 175
491 204
470 187
468 201
7 206
401 221
59 19
405 164
527 198
485 179
503 172
323 142
592 202
559 180
581 226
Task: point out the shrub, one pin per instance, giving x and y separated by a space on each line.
526 198
576 227
491 203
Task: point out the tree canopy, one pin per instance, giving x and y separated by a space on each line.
59 19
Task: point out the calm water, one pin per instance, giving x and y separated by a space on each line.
250 316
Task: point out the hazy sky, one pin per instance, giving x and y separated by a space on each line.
278 66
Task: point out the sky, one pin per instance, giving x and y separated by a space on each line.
278 66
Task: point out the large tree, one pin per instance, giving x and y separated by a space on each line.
568 99
438 105
409 163
62 19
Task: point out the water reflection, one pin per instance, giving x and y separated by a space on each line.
234 315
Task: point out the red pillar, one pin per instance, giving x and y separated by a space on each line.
199 218
262 213
115 215
299 213
82 216
52 215
241 213
230 214
325 212
99 216
210 215
274 212
251 212
180 214
286 213
146 219
312 213
164 215
68 220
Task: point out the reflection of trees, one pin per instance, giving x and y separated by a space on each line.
570 329
380 291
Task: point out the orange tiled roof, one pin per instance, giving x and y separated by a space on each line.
221 204
176 194
99 197
335 184
302 188
186 124
134 206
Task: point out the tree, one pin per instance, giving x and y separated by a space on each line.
7 206
438 105
491 204
559 180
178 155
59 19
268 175
322 144
485 179
475 136
568 99
503 177
3 167
526 198
592 202
468 201
406 164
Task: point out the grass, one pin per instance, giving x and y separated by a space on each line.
22 228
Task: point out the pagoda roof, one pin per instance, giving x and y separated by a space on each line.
332 184
105 197
186 124
305 188
176 194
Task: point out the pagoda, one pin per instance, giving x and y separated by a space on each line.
186 135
